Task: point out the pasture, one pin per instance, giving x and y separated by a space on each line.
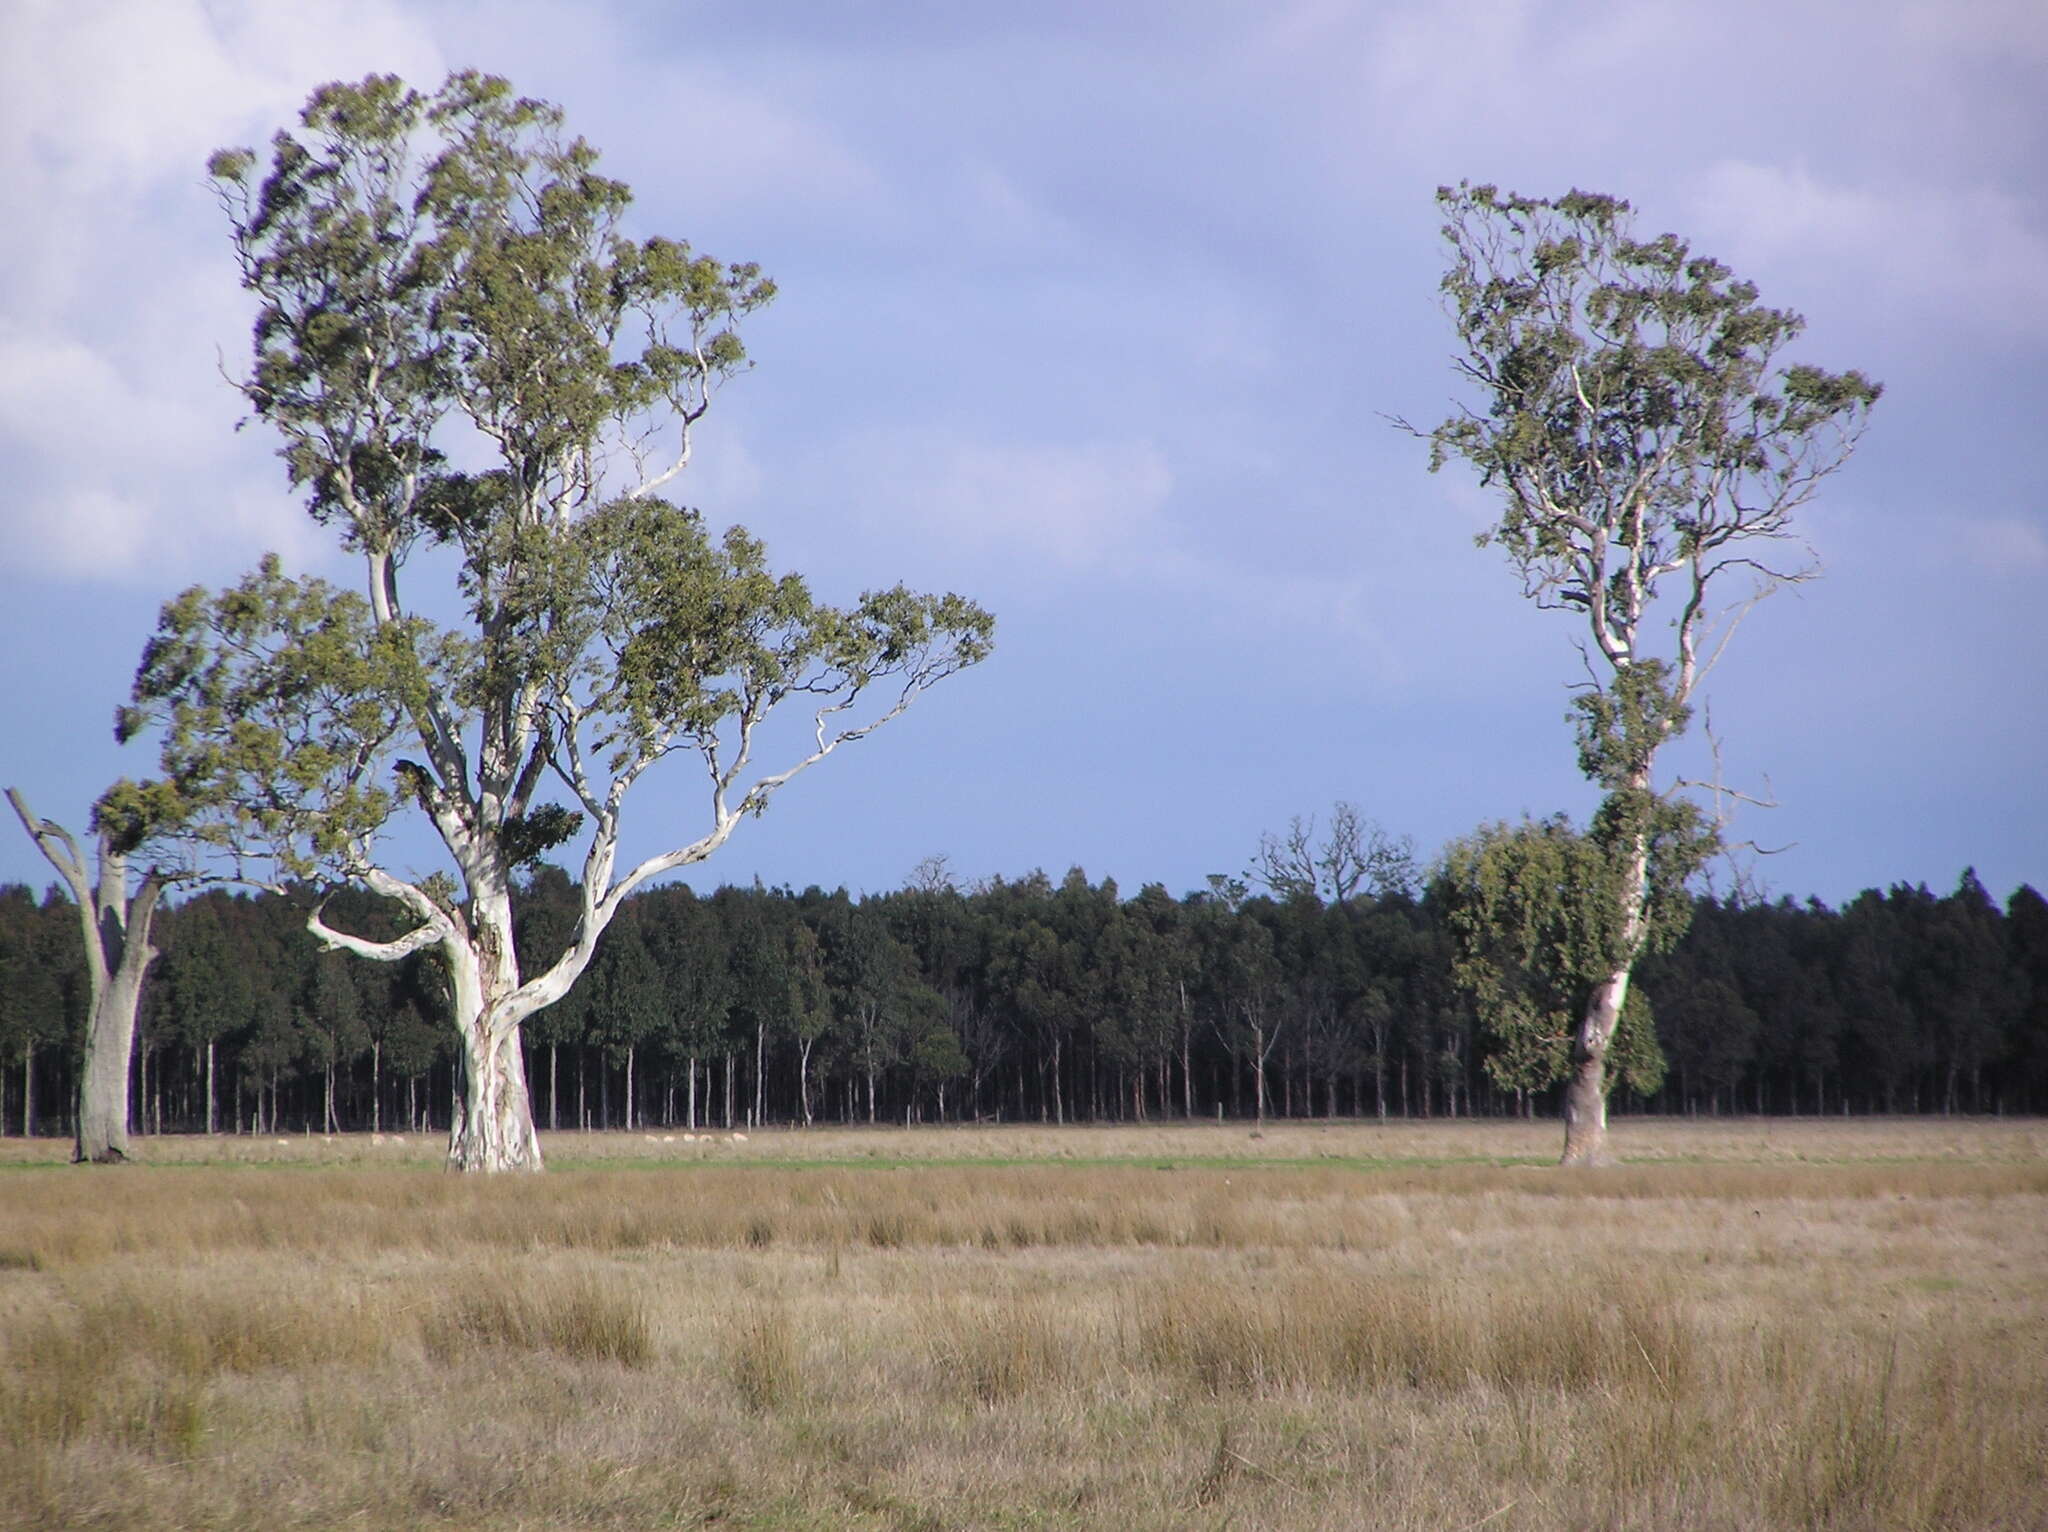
1748 1324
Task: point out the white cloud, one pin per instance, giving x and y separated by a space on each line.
118 293
2006 545
1076 505
1999 28
1931 256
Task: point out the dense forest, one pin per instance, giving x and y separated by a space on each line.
1027 1000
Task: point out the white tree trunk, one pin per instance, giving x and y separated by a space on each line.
493 1127
103 1076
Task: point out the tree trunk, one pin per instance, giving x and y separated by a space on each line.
102 1137
212 1112
1259 1074
1585 1091
493 1126
117 955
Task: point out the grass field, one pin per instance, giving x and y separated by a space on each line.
1746 1324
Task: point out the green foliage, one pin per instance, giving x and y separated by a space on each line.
280 700
1634 414
1537 919
1637 421
417 256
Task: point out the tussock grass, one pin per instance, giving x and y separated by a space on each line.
1341 1331
1772 1343
581 1317
762 1359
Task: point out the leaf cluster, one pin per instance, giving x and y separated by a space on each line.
279 700
1538 917
456 257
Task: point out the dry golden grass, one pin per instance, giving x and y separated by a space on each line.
1635 1140
1752 1326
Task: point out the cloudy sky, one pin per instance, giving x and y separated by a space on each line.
1096 313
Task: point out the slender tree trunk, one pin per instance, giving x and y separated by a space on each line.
28 1089
629 1088
1187 1063
1259 1074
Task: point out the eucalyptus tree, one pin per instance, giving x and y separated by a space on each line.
1650 449
478 379
117 902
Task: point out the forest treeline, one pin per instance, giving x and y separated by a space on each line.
1025 1000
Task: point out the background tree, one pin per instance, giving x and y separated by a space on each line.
38 950
438 274
1650 451
1354 855
2027 940
206 988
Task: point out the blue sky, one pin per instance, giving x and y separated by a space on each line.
1098 320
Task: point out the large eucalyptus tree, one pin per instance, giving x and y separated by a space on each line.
479 381
1650 448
